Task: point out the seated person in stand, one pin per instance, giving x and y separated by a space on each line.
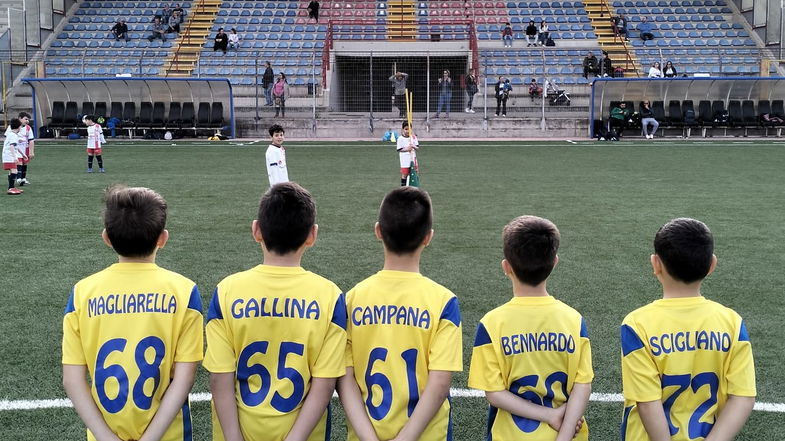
590 65
535 90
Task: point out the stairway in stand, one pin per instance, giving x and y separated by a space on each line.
193 36
401 20
620 51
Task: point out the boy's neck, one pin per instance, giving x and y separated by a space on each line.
276 145
520 289
292 259
672 289
145 259
402 262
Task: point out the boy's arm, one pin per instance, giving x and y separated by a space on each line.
75 384
576 407
171 403
222 388
653 418
732 418
516 405
353 405
31 146
437 389
313 408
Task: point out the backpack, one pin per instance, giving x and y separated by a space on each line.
689 116
618 72
550 42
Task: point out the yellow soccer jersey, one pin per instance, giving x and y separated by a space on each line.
691 353
129 324
275 328
401 326
537 348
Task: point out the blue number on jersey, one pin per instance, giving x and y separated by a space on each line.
244 371
379 379
697 428
146 371
529 382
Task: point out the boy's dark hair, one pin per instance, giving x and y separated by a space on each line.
405 218
685 246
24 115
530 246
286 215
134 218
276 128
405 125
15 123
89 118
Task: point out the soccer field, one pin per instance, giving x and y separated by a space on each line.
608 199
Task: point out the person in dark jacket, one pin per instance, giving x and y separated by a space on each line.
313 10
268 79
669 71
531 34
590 65
502 89
120 30
471 89
606 65
647 118
221 41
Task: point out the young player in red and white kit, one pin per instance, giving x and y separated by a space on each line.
95 138
407 146
12 159
24 146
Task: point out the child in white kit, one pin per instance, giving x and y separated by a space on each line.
407 147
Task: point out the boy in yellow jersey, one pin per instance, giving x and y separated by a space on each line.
532 355
404 334
135 329
276 333
687 364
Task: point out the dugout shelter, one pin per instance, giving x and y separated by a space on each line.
728 106
190 105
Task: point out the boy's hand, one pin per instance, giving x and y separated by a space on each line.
557 417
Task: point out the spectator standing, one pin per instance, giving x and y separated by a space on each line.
313 10
507 35
669 71
535 90
174 23
646 30
471 89
445 94
619 24
158 30
268 80
531 34
590 65
655 71
543 33
502 89
120 30
606 65
221 41
280 94
647 118
234 39
620 115
398 79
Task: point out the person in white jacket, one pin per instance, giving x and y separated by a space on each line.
655 71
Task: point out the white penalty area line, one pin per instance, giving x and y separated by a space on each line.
197 397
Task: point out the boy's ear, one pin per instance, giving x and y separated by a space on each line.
311 239
256 231
105 237
506 268
428 238
713 265
656 264
556 261
162 239
377 230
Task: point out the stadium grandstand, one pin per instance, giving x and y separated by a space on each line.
337 68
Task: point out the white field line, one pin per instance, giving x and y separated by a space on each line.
6 405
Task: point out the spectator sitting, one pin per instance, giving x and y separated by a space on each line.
158 30
620 116
177 8
645 28
221 41
507 35
166 12
234 39
590 65
313 10
619 24
606 65
531 34
120 30
535 90
655 71
669 71
174 23
543 33
647 118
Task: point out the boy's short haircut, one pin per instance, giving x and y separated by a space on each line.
24 115
134 219
276 128
405 218
530 247
88 118
405 125
685 246
15 123
286 215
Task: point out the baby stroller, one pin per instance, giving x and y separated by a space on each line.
555 95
